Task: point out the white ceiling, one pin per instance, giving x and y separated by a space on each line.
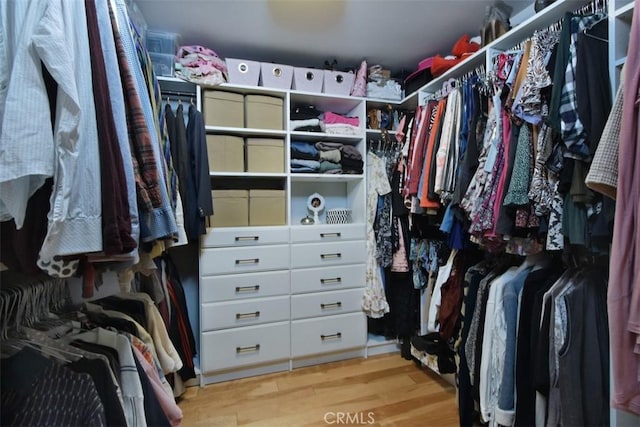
396 34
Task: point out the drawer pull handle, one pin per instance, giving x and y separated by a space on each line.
337 304
254 288
331 281
247 349
328 256
247 315
247 238
248 261
335 336
323 235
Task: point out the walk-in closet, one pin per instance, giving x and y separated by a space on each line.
307 213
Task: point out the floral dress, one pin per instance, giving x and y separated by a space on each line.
374 301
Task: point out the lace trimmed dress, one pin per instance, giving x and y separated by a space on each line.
374 302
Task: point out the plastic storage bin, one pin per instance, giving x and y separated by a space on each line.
223 108
231 208
267 207
338 83
276 76
265 155
162 42
308 79
264 112
162 64
226 153
243 72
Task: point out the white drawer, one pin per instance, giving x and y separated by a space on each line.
244 236
320 254
230 314
328 334
244 346
327 278
326 303
328 233
244 260
241 286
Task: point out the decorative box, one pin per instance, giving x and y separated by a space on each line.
339 216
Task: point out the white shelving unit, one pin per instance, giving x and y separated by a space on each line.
278 297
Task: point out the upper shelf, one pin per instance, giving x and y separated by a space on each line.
625 13
543 19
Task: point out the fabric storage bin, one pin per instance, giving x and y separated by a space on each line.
162 42
267 207
230 208
243 72
162 64
277 76
338 83
265 155
308 79
223 108
226 153
263 112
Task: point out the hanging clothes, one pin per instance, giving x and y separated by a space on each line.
374 302
623 295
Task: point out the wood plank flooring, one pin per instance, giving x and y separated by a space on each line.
382 390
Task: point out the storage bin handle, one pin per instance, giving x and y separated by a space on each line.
326 256
310 76
253 288
335 336
247 238
339 78
323 235
277 71
336 304
246 349
331 281
243 67
248 261
247 315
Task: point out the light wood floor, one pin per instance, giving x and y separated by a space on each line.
382 390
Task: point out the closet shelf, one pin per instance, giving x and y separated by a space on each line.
625 13
317 136
466 66
248 90
547 16
324 177
620 61
245 131
247 175
540 20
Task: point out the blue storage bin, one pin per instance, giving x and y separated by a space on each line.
163 64
162 42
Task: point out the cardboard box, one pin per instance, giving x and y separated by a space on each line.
223 108
308 79
338 83
267 207
226 153
264 112
243 72
276 76
265 155
230 208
